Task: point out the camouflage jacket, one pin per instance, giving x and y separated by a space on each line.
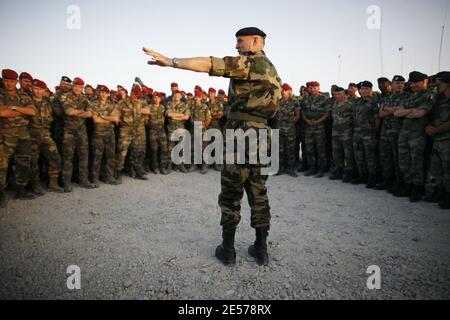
391 124
441 115
71 102
286 114
106 110
255 87
157 116
180 107
201 113
342 115
365 114
215 107
44 116
314 108
19 100
131 113
420 100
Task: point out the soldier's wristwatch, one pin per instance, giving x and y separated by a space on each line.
175 62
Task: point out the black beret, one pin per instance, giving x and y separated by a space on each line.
338 89
366 84
398 78
445 77
417 76
359 85
351 84
441 74
383 79
66 79
250 31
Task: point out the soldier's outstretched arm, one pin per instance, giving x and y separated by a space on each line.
199 64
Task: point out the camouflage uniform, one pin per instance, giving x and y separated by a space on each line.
365 114
132 134
215 107
342 137
15 140
286 125
440 156
173 125
255 91
200 114
315 108
412 140
103 141
75 139
390 131
42 142
157 137
57 127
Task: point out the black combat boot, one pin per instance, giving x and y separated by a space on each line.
395 186
347 177
119 176
155 166
218 167
337 175
415 193
320 173
23 194
386 184
204 169
291 172
84 183
371 182
3 201
225 252
359 179
140 176
53 186
280 171
445 202
95 183
311 172
163 171
37 188
404 191
259 249
436 197
303 167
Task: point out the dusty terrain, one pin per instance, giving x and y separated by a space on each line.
156 239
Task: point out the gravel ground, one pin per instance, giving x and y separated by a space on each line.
156 239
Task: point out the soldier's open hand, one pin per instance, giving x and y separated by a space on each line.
158 59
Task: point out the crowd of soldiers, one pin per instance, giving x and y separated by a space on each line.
397 139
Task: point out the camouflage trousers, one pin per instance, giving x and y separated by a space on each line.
440 165
365 151
315 140
132 140
388 150
287 147
343 157
171 144
103 145
300 142
43 144
236 178
157 139
57 132
75 143
17 142
411 156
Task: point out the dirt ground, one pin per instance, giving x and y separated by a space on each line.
155 239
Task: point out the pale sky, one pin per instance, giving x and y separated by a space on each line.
304 39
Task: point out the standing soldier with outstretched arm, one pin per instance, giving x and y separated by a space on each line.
255 91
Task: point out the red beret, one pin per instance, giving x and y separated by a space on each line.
9 74
39 83
198 94
183 93
159 94
89 86
190 94
197 87
78 82
178 91
25 75
212 90
137 91
57 88
147 90
173 84
104 88
314 84
221 91
286 87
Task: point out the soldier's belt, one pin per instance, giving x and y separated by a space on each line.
14 129
241 116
